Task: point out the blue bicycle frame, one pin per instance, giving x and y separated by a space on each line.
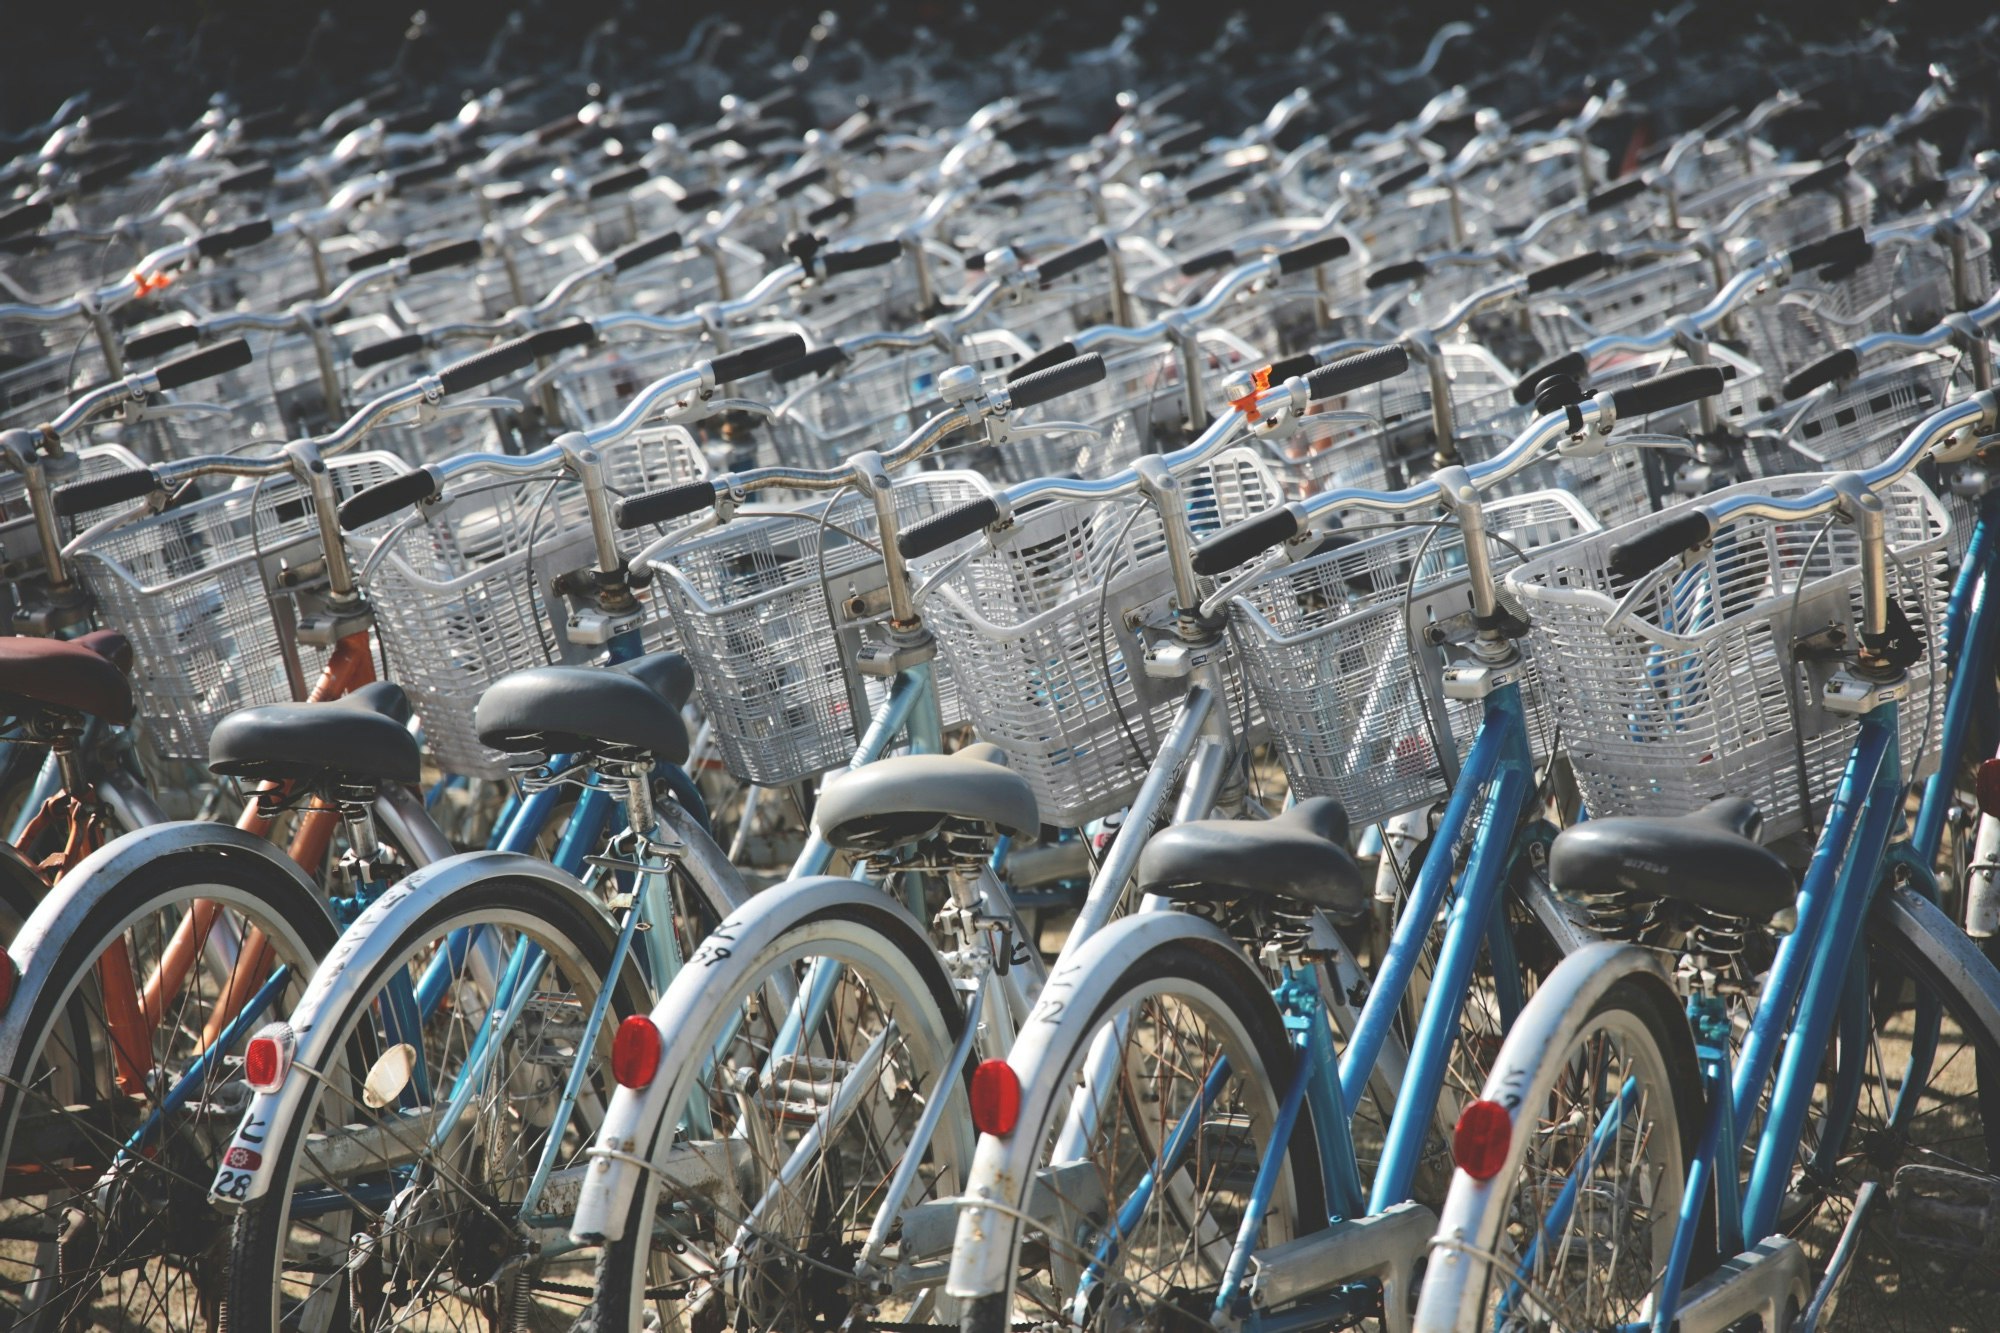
1496 783
1817 978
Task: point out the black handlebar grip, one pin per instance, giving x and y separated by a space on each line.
617 182
1843 247
854 260
204 364
386 498
576 333
1042 360
1036 100
641 511
1573 364
415 121
1659 543
708 138
1245 540
1007 175
1207 263
422 173
1039 387
557 130
1072 259
1565 271
748 361
1826 178
815 362
1304 363
1665 391
640 252
698 201
83 496
751 135
941 530
445 254
392 349
1214 185
494 363
829 211
1397 180
1407 271
26 217
1613 195
233 238
1357 371
1313 253
791 185
161 341
376 258
1844 364
247 180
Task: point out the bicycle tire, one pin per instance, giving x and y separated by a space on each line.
165 1191
899 963
579 940
1225 988
1636 1018
1902 1272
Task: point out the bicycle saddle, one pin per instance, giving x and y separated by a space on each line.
85 675
360 739
1300 854
1710 858
908 798
634 706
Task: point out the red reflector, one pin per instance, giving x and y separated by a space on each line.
10 977
1988 786
635 1052
263 1064
1479 1142
996 1097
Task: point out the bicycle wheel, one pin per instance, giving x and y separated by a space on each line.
1572 1228
377 1220
1187 1038
1902 1188
776 1244
91 1233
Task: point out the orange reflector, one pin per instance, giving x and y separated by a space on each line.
1479 1142
635 1052
1988 786
996 1097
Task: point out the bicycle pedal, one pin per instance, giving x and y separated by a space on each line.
1948 1214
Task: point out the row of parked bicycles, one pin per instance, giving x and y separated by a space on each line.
852 719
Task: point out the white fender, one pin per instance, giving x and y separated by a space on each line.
1077 990
691 1005
1551 1020
361 949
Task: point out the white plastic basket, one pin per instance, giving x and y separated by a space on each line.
1334 648
465 593
1042 627
200 592
771 609
1705 690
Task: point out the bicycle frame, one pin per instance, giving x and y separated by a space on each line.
1499 769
